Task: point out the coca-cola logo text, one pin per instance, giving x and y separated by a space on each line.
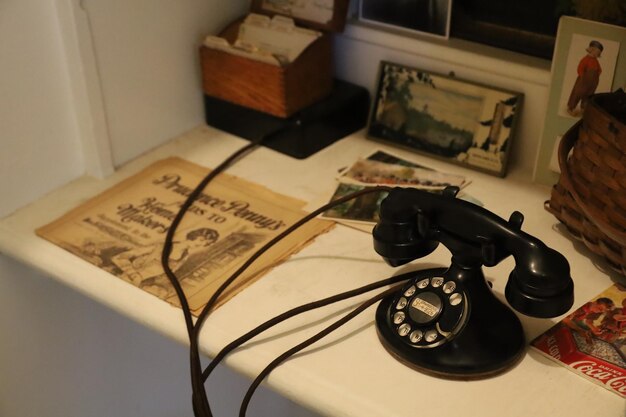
611 379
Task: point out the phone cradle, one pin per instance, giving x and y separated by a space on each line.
451 324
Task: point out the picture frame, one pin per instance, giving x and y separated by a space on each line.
525 27
444 117
573 39
529 27
423 17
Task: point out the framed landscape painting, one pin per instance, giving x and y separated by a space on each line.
444 117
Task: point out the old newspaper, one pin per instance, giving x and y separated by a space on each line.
122 230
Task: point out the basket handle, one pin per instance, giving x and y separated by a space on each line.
593 214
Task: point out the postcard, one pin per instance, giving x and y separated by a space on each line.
389 158
370 172
362 209
362 213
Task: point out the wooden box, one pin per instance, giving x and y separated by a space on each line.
277 90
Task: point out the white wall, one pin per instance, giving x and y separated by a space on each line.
39 146
61 354
147 55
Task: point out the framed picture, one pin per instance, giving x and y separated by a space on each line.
427 17
444 117
595 54
588 59
529 26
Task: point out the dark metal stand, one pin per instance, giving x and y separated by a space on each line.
490 340
310 130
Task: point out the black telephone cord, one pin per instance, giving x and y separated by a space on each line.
311 306
318 336
195 351
169 237
202 407
200 401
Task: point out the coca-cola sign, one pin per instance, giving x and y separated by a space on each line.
559 343
612 378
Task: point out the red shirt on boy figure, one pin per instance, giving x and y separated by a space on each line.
589 71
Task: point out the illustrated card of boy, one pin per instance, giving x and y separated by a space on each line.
588 59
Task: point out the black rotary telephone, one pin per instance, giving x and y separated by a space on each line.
451 324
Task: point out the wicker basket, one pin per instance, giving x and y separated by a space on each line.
590 197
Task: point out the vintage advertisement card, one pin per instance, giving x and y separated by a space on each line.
592 340
588 59
122 230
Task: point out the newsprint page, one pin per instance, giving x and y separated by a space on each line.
123 229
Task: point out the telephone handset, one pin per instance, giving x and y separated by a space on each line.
451 324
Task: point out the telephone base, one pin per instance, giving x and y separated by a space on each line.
486 339
457 376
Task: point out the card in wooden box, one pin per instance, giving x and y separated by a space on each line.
245 74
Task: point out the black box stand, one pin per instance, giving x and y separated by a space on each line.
303 134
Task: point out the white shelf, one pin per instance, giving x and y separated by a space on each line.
350 373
